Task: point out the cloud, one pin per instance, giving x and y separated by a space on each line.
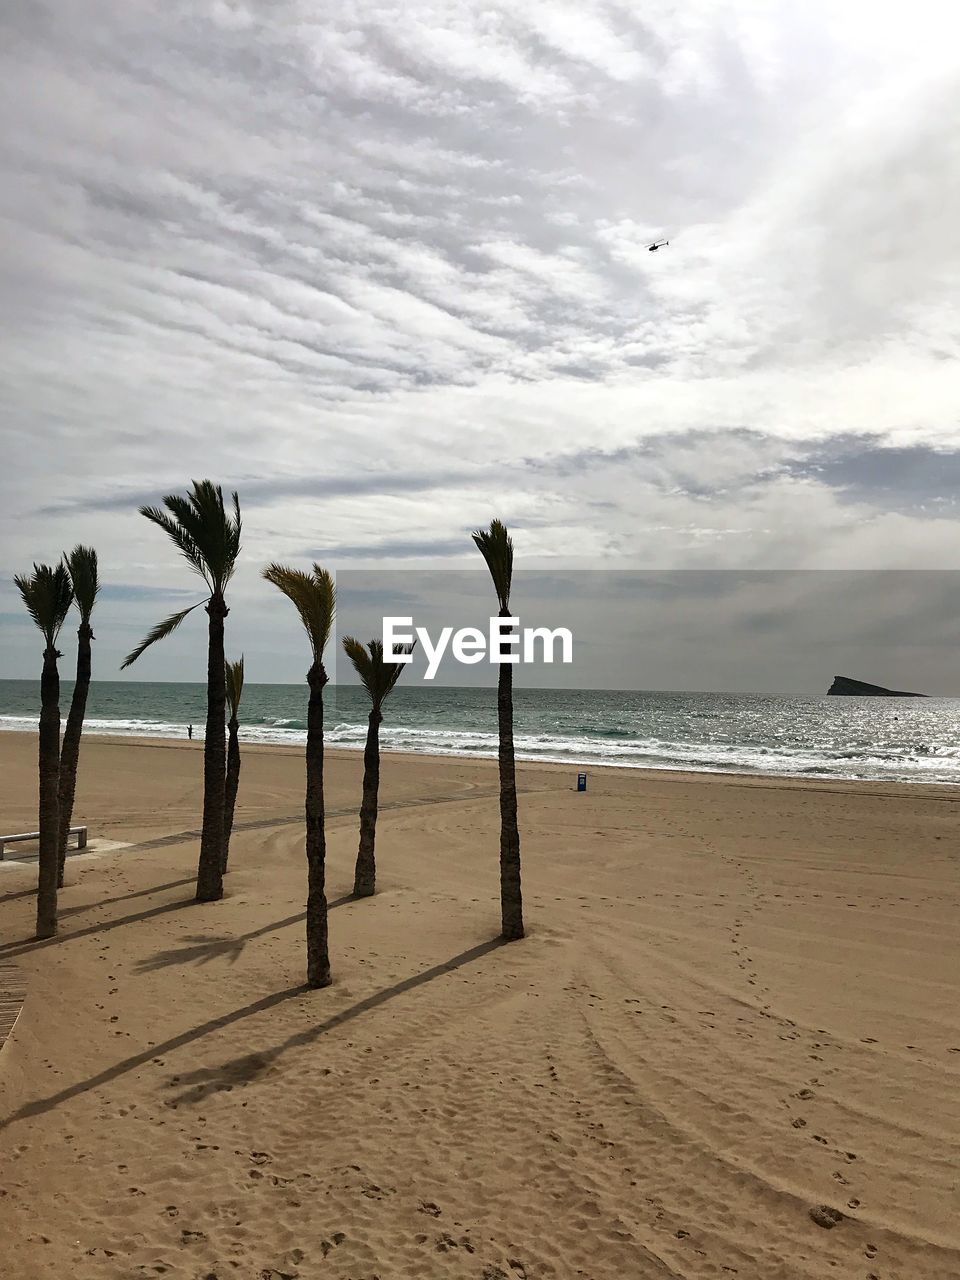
264 492
915 478
396 549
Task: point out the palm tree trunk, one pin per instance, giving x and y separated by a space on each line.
318 958
49 760
231 787
511 901
70 749
209 874
365 876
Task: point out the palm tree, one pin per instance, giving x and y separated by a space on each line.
81 565
496 547
209 540
378 678
48 596
233 674
314 597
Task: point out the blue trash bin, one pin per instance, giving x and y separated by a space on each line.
581 782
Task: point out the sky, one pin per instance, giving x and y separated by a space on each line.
382 268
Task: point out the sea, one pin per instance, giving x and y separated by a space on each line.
888 739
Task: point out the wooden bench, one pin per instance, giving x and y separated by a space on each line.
79 832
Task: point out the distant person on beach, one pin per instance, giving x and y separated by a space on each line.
190 731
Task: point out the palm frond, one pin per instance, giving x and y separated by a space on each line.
81 565
159 632
203 515
362 664
199 526
233 672
393 670
376 676
496 547
48 596
217 533
313 595
180 538
237 525
327 596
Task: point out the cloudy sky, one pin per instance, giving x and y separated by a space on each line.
382 267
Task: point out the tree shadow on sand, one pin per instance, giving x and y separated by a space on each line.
20 893
241 1070
203 948
62 912
9 950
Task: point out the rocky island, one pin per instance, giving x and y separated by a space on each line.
846 687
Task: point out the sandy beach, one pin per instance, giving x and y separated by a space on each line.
738 1001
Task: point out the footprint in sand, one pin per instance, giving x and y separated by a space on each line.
327 1245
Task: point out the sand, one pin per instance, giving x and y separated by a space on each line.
737 1003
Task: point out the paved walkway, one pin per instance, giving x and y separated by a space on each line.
13 992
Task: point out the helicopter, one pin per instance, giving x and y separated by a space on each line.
657 244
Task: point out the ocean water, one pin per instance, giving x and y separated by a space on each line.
893 739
